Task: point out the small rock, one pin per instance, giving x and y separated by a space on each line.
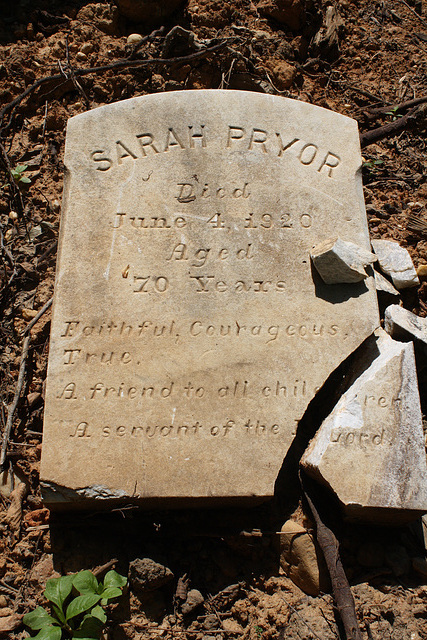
398 560
13 215
134 38
194 599
56 205
80 56
302 560
9 623
147 575
42 571
5 611
232 626
28 314
284 73
33 398
3 601
338 261
420 566
401 324
421 270
210 622
396 262
86 48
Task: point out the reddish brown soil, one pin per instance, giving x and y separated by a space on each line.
378 60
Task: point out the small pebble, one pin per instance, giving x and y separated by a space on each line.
28 314
3 602
86 48
134 38
80 56
422 271
56 205
13 215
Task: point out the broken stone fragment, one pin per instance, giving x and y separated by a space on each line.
147 575
404 325
302 560
370 449
384 285
338 261
396 262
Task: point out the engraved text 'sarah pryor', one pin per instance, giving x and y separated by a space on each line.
189 333
235 138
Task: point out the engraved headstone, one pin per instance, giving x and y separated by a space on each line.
189 329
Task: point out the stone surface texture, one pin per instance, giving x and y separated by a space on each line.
189 330
404 325
338 261
370 449
302 560
396 262
383 285
147 575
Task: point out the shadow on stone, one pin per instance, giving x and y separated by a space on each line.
337 293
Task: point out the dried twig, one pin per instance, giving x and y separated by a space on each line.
420 18
391 128
13 406
373 112
37 317
340 586
103 568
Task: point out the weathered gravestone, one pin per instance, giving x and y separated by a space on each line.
190 331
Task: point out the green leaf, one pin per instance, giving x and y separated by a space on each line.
98 612
58 589
49 633
85 582
81 604
25 179
111 592
38 619
59 613
114 579
90 627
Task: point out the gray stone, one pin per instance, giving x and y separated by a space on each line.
147 575
404 325
188 333
338 261
384 285
396 262
370 449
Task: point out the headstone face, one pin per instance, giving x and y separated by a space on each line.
189 329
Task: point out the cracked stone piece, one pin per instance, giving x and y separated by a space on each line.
384 285
396 262
370 449
338 261
404 325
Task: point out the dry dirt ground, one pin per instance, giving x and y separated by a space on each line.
373 56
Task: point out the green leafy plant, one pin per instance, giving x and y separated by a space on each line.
77 603
393 113
372 165
18 174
